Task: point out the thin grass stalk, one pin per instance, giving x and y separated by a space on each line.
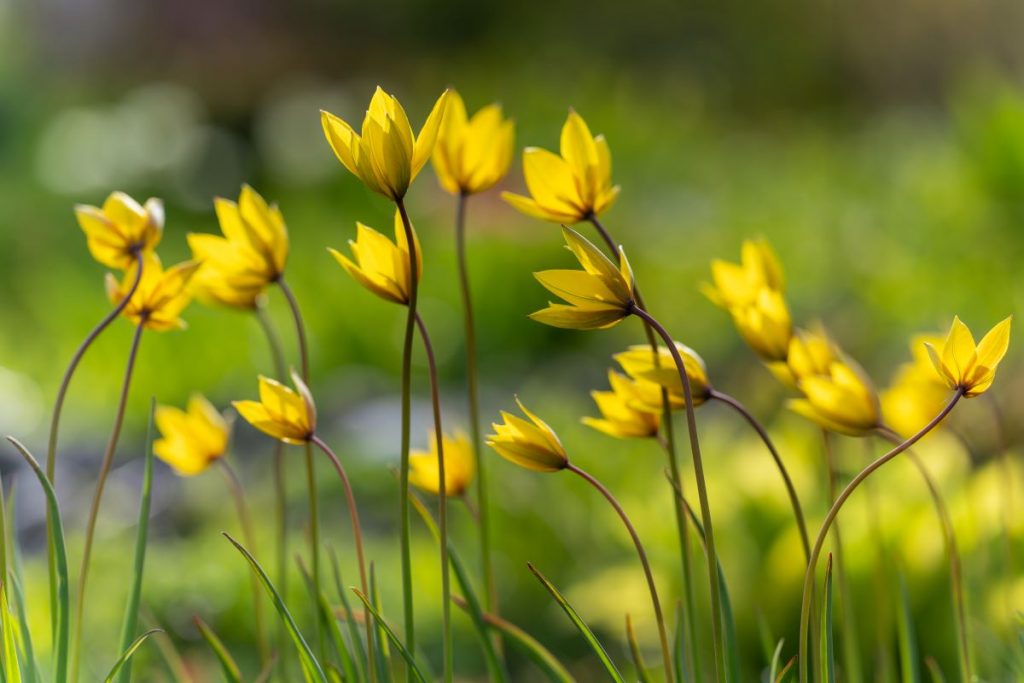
819 542
94 509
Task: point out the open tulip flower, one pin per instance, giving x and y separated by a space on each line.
459 466
472 154
639 363
282 412
765 325
533 445
842 400
965 365
572 187
161 295
121 230
380 265
625 410
252 253
190 440
385 155
598 296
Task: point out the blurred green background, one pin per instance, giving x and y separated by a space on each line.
878 146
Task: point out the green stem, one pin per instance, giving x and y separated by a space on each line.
90 527
702 493
819 542
794 499
483 508
666 652
410 329
442 492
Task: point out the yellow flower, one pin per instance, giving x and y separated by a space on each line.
161 296
472 154
969 366
638 362
811 352
916 393
380 265
741 284
533 445
121 230
624 408
281 412
571 187
385 156
598 296
252 253
765 325
842 400
191 440
459 466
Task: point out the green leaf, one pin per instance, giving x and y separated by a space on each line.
131 610
773 670
581 626
311 670
28 659
382 653
362 663
127 655
828 655
409 660
331 622
55 540
634 651
12 669
786 670
910 672
934 670
228 666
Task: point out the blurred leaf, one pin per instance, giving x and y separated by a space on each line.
634 651
910 672
381 651
12 668
127 655
361 661
773 669
329 619
232 674
828 656
406 655
934 670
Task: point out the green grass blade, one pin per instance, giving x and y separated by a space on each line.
331 622
126 656
28 659
934 670
381 652
634 651
131 610
580 625
228 665
910 671
55 540
784 674
828 655
495 670
382 625
11 666
311 670
355 638
773 669
679 647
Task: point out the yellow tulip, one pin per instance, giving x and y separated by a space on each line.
472 154
598 296
811 352
741 284
842 400
638 362
121 230
281 412
193 439
252 253
624 409
380 265
385 155
161 296
916 393
459 466
572 187
765 325
966 365
533 445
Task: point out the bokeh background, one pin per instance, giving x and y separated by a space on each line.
879 147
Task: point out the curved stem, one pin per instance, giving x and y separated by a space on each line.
90 527
666 653
442 492
794 500
403 470
702 492
245 520
483 509
952 554
819 542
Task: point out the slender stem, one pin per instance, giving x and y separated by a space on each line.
702 492
442 492
90 527
273 341
666 653
952 554
483 509
794 500
245 519
403 472
603 232
314 515
819 542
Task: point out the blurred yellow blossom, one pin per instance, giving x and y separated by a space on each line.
380 265
916 393
472 154
121 230
624 409
161 295
740 284
190 440
385 155
533 445
966 365
638 362
811 352
459 465
842 400
572 187
281 412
